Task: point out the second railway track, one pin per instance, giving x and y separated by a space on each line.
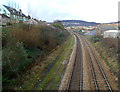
77 76
99 77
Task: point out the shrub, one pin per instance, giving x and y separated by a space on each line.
58 24
96 38
15 62
111 42
8 23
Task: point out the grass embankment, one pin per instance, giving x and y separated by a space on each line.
25 46
53 78
49 80
108 50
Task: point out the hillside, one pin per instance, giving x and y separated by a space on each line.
24 45
108 26
69 23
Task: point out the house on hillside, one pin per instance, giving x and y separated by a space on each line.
16 16
4 15
9 14
111 34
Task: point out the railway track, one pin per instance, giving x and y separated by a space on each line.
93 71
77 76
99 77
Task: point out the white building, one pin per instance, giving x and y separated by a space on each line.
111 34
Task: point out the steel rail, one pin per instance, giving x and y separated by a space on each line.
92 70
100 67
81 69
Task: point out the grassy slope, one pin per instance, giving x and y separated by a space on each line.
56 72
54 76
108 55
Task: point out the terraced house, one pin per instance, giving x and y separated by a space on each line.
9 14
4 15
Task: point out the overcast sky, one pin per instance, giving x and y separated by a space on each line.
101 11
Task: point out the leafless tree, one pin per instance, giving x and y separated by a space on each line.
12 4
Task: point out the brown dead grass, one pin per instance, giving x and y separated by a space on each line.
108 49
111 42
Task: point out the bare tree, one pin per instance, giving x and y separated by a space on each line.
12 4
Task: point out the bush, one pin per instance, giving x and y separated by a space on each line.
111 42
96 38
58 24
8 23
15 62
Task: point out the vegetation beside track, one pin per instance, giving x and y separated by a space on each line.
108 50
53 78
25 46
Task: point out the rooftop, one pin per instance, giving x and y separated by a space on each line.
14 11
112 31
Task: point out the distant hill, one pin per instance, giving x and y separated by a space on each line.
69 23
114 22
108 26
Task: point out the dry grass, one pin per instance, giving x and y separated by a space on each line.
111 42
109 51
